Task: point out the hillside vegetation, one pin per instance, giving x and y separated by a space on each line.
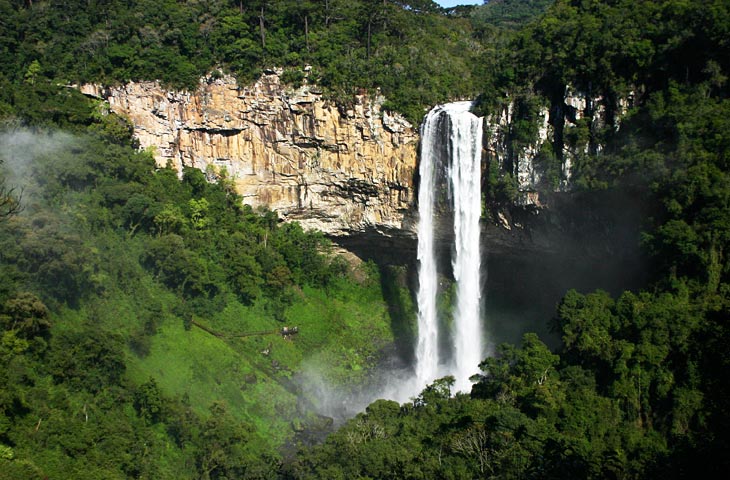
145 316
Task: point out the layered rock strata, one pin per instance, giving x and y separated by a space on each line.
339 170
567 128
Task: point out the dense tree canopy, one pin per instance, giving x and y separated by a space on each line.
408 49
112 265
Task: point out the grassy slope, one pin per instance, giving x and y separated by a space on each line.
341 330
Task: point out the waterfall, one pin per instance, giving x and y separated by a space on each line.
465 183
451 139
427 359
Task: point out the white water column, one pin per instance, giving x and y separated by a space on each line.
451 138
427 356
465 185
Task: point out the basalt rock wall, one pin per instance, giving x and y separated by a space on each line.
539 145
341 169
350 171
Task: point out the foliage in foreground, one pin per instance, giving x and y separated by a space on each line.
141 313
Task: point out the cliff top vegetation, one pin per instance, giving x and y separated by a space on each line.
410 50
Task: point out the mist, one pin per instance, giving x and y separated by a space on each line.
523 281
391 380
24 151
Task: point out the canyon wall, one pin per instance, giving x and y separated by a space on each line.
350 171
540 149
342 170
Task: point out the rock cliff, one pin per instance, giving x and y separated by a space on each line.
539 148
350 171
341 170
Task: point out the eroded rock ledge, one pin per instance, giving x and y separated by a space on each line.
339 170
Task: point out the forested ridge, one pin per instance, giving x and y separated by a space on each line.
110 262
407 49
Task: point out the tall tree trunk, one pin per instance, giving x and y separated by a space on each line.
306 31
370 23
262 29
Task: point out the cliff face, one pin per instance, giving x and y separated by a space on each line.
342 171
560 133
350 172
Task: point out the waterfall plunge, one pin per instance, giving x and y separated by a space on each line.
465 182
451 137
427 358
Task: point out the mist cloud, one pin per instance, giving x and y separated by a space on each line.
21 153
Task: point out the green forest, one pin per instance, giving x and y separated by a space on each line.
146 314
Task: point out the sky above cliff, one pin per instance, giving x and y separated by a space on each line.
453 3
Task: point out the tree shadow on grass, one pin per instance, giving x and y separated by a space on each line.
396 286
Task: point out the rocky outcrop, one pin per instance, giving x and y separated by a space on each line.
567 127
341 170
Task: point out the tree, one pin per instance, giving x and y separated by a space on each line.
169 220
31 74
177 265
148 401
198 213
26 314
10 200
87 359
526 377
222 445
